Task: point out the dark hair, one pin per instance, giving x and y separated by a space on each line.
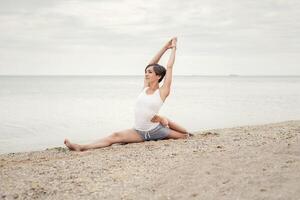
158 69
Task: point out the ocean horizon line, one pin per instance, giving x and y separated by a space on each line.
131 75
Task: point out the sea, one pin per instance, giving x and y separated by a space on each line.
39 112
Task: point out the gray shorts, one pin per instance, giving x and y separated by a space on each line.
158 133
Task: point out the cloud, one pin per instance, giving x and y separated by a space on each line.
134 27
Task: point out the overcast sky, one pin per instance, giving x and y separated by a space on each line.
119 37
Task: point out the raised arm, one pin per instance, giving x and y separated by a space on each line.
165 89
161 52
157 57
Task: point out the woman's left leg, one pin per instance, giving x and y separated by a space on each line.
167 122
176 127
176 131
176 135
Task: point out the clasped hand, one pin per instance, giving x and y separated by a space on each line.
171 43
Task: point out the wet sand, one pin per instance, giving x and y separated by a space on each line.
249 162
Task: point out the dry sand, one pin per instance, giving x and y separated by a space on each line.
250 162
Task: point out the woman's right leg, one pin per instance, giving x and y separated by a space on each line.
125 136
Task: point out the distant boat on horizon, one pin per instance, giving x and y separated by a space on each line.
233 75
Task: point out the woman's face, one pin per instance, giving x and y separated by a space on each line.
150 75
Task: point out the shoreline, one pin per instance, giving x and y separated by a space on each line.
245 162
53 147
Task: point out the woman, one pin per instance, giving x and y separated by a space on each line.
148 125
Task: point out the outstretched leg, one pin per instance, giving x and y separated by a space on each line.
125 136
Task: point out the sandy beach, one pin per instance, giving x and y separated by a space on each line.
249 162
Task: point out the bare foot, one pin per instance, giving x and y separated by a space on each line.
72 147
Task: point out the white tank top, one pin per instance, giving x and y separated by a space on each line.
146 106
